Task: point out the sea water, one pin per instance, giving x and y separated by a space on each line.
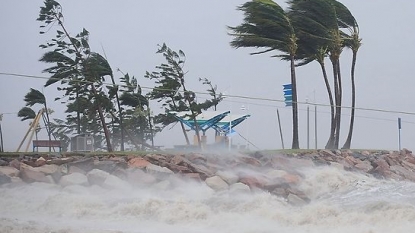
341 202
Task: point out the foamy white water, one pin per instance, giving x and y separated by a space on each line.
341 202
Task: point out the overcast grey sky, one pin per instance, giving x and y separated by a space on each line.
130 30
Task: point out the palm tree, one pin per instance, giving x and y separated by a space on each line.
319 22
267 25
36 97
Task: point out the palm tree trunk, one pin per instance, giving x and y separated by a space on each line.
119 113
332 113
295 142
104 125
339 104
182 125
348 142
336 97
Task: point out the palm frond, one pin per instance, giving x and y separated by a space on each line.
26 113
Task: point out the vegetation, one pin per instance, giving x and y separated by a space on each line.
119 114
307 31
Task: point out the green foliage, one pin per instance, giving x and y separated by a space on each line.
26 113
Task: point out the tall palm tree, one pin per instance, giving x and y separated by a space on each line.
321 22
267 25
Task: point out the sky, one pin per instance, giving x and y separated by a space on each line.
129 31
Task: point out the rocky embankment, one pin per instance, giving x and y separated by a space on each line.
279 174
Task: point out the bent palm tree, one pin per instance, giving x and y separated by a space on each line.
266 25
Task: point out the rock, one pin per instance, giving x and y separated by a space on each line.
253 182
382 168
239 188
48 169
365 153
337 165
96 177
60 161
4 179
405 151
408 165
138 177
157 171
292 178
74 179
85 165
138 162
40 162
192 176
177 159
228 177
113 182
216 183
403 172
327 153
251 161
3 163
364 166
29 175
109 165
9 171
276 174
15 163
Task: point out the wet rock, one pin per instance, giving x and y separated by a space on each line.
3 162
40 162
364 166
382 169
15 163
4 179
192 176
60 161
109 165
327 153
113 182
228 176
405 151
216 183
138 163
29 175
251 161
408 165
86 165
253 182
159 172
137 177
9 171
403 172
74 179
97 177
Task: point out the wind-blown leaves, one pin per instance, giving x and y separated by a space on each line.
26 113
34 97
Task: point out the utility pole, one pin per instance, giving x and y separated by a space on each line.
1 135
279 125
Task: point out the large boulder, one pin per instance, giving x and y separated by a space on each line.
216 183
239 188
97 177
138 162
137 177
9 171
29 176
113 182
228 176
159 172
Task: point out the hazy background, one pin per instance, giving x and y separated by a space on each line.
129 32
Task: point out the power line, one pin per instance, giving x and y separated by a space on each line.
229 96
